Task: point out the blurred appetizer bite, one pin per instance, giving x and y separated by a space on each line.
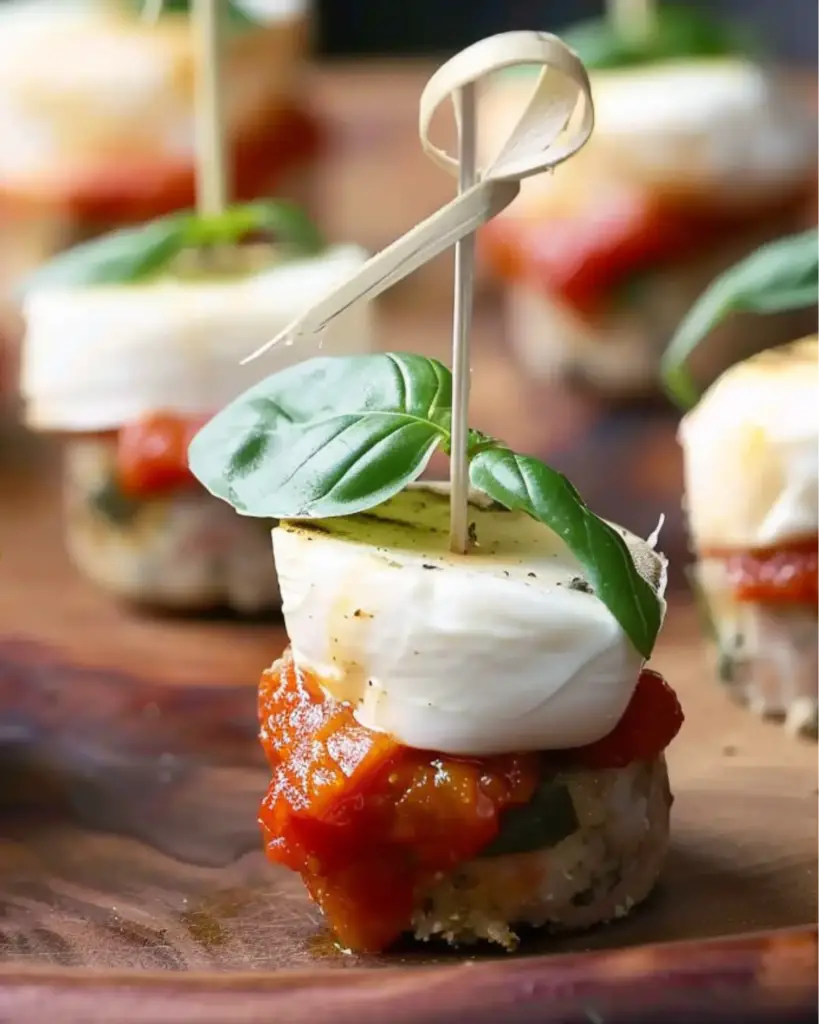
461 745
97 127
751 457
699 155
132 342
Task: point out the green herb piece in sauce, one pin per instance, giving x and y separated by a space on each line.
725 667
109 502
547 820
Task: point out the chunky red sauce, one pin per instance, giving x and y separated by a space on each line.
783 574
152 453
366 821
583 258
133 191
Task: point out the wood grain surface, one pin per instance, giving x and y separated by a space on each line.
130 777
132 886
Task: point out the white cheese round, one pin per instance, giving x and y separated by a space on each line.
726 129
751 451
94 358
495 651
84 84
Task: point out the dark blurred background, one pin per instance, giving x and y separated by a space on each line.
374 27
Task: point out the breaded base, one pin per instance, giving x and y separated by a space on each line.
595 875
765 652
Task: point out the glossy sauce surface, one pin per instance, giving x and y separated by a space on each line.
368 822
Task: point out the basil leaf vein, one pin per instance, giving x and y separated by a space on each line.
327 437
337 436
779 276
525 484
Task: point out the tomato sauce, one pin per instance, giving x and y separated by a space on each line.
584 257
786 574
367 821
135 190
152 454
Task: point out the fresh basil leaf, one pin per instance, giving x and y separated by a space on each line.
285 222
327 437
125 255
781 275
679 33
548 819
237 13
133 254
524 484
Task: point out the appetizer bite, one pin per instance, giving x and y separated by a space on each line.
699 156
461 744
132 342
751 457
98 119
462 734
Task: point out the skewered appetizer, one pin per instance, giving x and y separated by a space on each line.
698 157
751 449
98 122
461 744
132 342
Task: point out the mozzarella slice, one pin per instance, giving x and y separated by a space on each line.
82 83
725 130
751 452
94 358
496 651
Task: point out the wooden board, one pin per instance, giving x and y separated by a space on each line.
132 887
131 777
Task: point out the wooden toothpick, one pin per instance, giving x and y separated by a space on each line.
212 185
461 322
152 10
633 19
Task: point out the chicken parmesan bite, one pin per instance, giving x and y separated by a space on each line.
751 456
97 127
126 364
461 746
463 737
693 164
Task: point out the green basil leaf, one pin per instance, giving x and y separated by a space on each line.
133 254
781 275
129 254
548 819
238 15
679 33
287 223
523 483
327 437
